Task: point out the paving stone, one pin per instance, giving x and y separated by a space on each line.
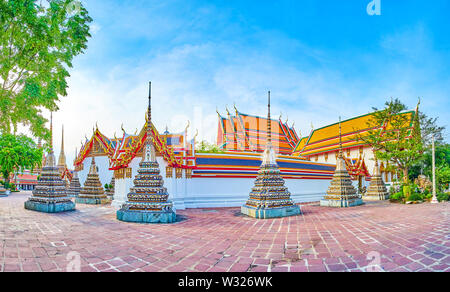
394 236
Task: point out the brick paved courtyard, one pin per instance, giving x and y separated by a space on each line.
398 237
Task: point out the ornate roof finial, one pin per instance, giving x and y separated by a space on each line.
269 122
196 134
281 115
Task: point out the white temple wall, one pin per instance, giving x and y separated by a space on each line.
234 192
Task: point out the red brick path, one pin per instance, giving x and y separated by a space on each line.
376 236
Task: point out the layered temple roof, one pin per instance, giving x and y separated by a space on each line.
244 132
121 151
326 139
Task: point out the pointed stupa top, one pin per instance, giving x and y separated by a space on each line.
62 155
93 168
50 160
269 124
269 156
149 154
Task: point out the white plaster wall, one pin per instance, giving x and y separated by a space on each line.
233 192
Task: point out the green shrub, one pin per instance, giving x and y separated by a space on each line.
415 197
397 197
442 197
406 191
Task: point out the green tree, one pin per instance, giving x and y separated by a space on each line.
38 41
429 128
18 153
205 147
424 166
397 141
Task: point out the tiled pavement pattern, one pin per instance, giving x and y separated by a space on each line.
398 237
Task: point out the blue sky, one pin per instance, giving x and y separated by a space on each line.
320 59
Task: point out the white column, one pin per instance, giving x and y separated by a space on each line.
434 200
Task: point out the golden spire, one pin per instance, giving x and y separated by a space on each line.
62 156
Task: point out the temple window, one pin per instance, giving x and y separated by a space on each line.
128 173
169 172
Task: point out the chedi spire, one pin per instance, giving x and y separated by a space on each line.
148 199
50 195
269 198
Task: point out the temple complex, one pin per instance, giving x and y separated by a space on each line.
341 192
196 179
50 194
269 197
92 192
377 189
74 187
148 199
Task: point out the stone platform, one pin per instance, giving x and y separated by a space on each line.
92 201
260 213
49 208
375 198
341 203
146 217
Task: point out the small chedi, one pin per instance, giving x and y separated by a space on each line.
49 195
74 187
3 191
148 199
110 191
341 192
92 192
269 197
377 190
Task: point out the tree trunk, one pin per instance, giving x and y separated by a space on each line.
405 175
